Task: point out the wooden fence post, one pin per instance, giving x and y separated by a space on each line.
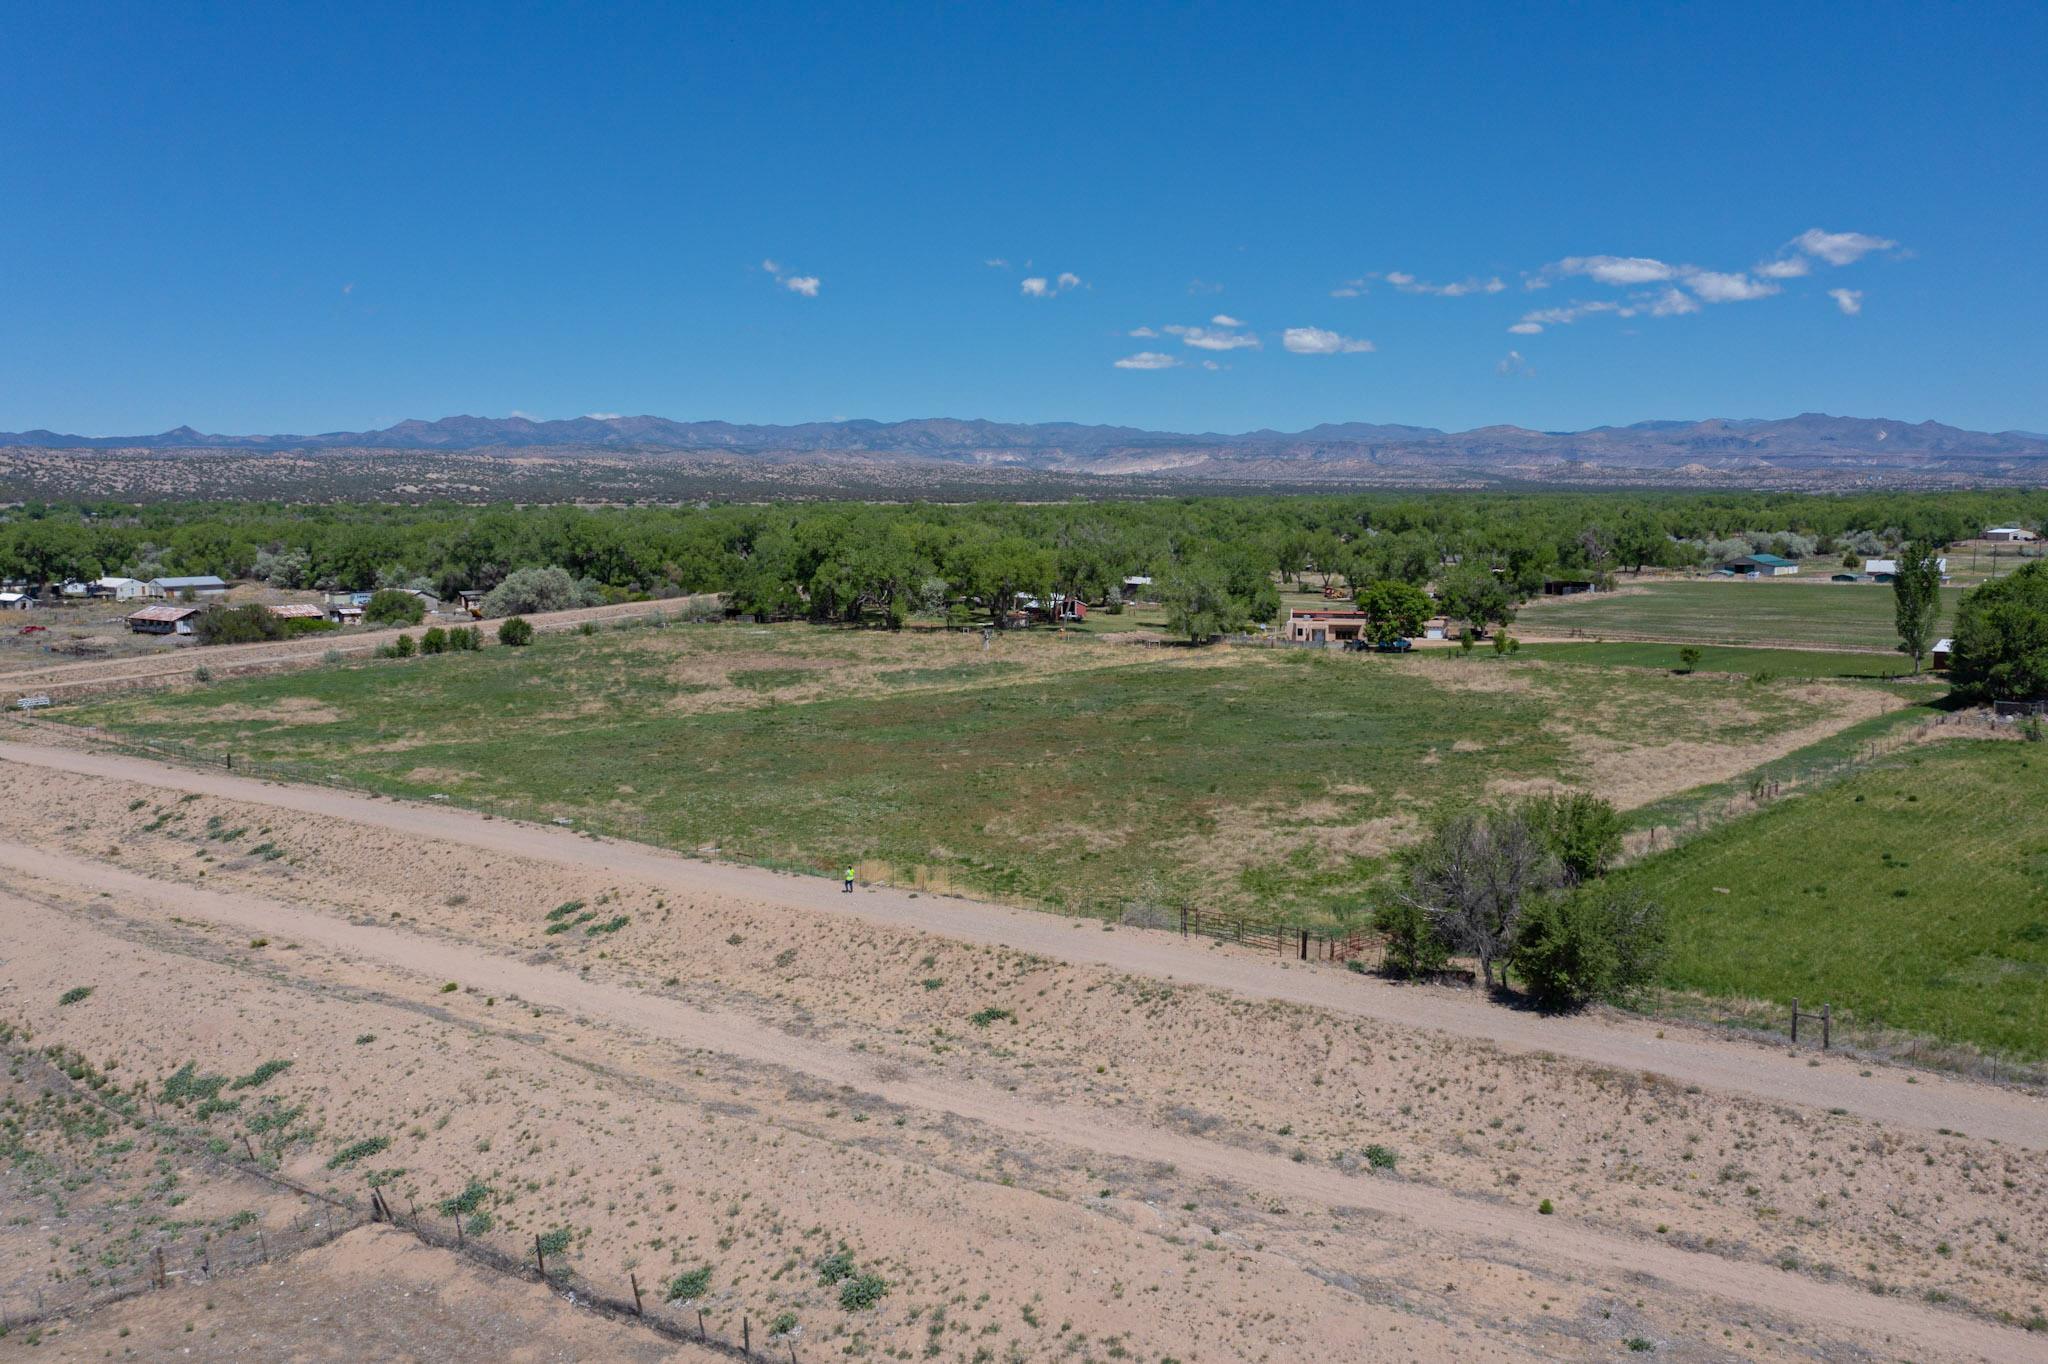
1795 1020
746 1338
539 1257
638 1309
1826 1021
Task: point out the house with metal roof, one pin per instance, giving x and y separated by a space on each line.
1761 566
164 620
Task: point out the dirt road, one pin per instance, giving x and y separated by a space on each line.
1686 1055
1742 1288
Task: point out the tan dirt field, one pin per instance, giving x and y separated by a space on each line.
1156 1149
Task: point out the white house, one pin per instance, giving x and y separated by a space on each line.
118 589
15 601
2010 533
1884 570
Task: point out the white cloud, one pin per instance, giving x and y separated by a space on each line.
1141 331
1409 284
603 416
1790 267
1617 269
1204 286
1147 359
1207 338
997 263
1226 320
1840 248
1038 286
349 287
1512 364
1715 287
1526 328
528 416
806 285
1346 291
1850 301
1211 364
1670 303
1316 341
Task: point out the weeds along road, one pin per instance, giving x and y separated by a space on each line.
1891 1095
1742 1287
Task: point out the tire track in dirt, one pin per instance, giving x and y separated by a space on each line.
1888 1095
1841 1309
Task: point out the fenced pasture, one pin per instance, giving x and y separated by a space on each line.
1912 895
1056 771
1800 614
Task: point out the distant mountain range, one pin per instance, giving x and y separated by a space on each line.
1812 447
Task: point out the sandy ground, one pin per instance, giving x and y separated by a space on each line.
374 1294
1153 1149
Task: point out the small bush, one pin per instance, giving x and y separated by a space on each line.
516 632
863 1292
450 988
784 1324
262 1075
1545 1207
988 1016
834 1267
612 925
434 641
1414 947
349 1155
689 1284
564 910
1380 1157
75 995
1688 659
465 640
468 1201
556 1242
403 647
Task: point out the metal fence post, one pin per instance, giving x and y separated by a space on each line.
1795 1020
1826 1022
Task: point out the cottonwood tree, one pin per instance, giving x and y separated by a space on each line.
1916 597
1394 609
1475 874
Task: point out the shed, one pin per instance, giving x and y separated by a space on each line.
1763 566
342 613
297 610
199 585
15 601
2010 533
163 620
1938 655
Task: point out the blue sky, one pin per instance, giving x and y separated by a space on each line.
298 218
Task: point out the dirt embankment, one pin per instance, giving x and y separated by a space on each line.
692 1074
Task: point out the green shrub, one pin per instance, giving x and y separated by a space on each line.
1545 1207
403 647
349 1155
1582 831
990 1015
463 640
1379 1157
1414 947
516 632
263 1074
556 1242
689 1284
223 624
434 641
468 1201
75 995
393 607
863 1292
836 1266
784 1324
1563 953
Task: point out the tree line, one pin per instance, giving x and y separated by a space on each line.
881 563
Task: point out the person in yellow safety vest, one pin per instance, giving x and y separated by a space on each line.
849 878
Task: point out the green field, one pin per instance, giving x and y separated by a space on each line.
1059 770
1723 658
1818 614
1913 895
